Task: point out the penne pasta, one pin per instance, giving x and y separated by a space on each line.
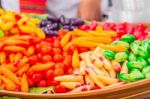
93 77
69 78
70 85
82 68
81 89
90 65
89 81
124 68
107 80
96 61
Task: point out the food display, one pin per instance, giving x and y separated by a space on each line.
12 23
62 55
51 25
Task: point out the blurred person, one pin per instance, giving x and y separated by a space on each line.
85 9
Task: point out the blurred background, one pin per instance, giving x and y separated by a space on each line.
100 10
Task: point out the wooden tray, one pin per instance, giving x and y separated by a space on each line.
138 90
135 90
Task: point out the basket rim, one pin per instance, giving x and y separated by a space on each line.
82 94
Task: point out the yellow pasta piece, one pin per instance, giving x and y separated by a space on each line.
124 68
10 75
107 80
93 77
69 78
70 85
89 81
82 68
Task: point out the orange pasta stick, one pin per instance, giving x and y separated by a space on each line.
3 85
75 59
66 47
27 29
0 74
82 33
23 69
30 51
0 82
14 48
13 41
12 57
24 84
2 57
69 78
18 56
9 74
8 26
22 20
99 34
9 84
120 48
0 70
25 37
95 39
14 31
39 33
116 48
84 43
99 29
42 67
35 20
29 23
111 33
20 63
64 41
9 66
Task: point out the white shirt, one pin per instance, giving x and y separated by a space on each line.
69 8
10 5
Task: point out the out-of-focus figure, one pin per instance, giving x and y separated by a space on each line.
86 9
105 10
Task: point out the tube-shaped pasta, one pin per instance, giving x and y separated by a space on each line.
80 89
89 81
93 77
82 68
10 75
112 73
124 68
89 64
70 85
107 80
24 84
96 61
116 65
9 84
106 72
69 78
